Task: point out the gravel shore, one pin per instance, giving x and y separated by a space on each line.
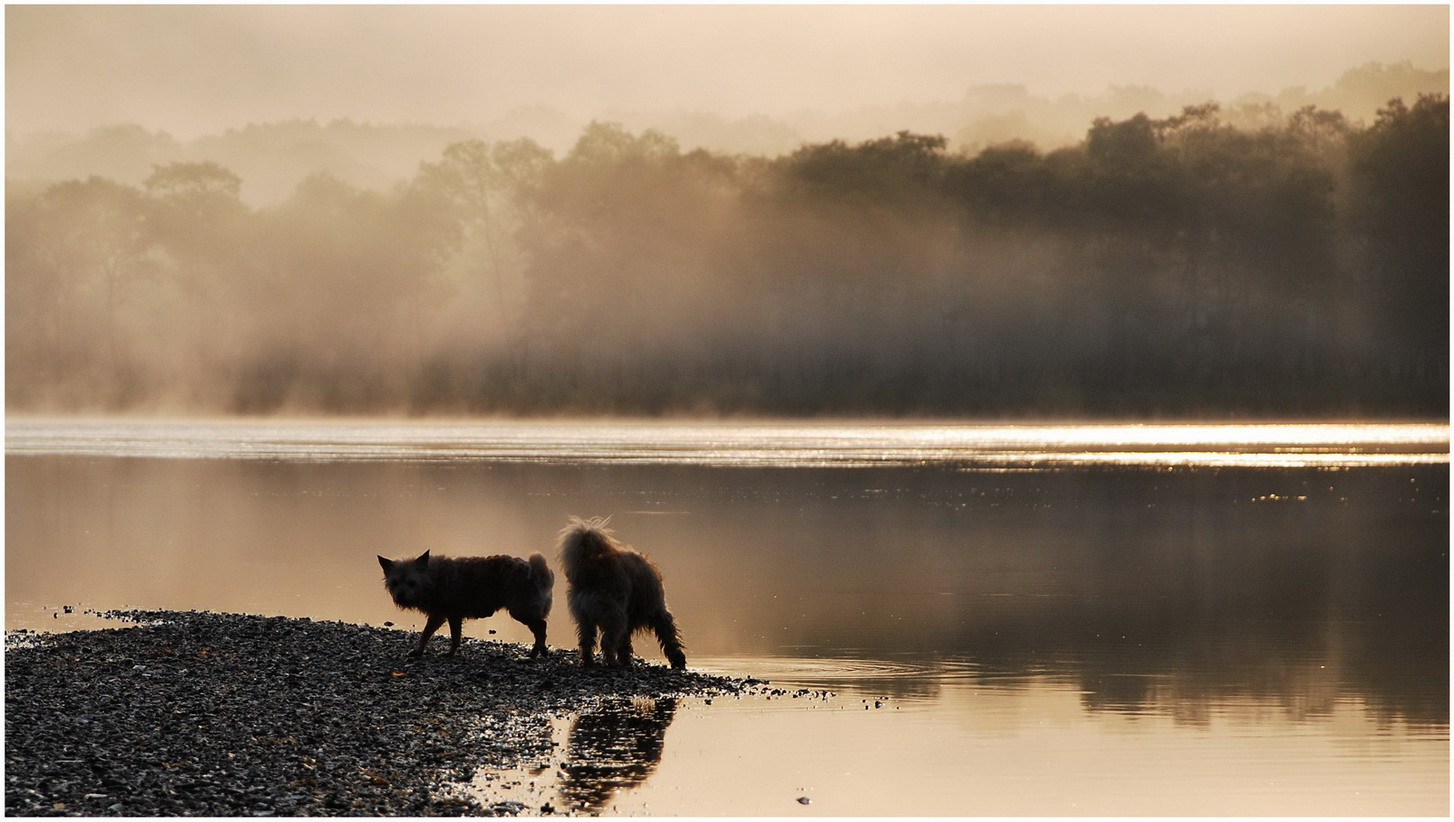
210 714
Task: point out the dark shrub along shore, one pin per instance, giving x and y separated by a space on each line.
231 715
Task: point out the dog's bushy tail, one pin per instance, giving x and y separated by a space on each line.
670 637
540 572
585 539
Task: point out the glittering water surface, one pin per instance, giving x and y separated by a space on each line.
762 444
962 620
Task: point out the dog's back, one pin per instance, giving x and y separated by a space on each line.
647 593
476 587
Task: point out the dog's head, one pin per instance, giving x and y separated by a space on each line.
584 540
407 580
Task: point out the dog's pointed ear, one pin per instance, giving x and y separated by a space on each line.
386 563
423 559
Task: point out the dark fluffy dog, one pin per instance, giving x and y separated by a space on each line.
616 591
454 590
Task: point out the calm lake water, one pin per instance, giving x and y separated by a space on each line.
1014 620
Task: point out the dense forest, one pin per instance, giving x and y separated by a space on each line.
1180 266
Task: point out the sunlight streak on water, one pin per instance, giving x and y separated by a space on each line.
1331 445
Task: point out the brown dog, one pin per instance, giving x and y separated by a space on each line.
616 591
454 590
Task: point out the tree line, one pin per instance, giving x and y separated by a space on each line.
1178 266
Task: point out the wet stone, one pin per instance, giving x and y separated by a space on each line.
233 715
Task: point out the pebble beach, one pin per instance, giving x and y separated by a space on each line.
207 714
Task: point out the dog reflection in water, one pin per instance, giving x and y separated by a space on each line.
615 591
614 749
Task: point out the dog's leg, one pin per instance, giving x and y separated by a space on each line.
536 624
626 654
586 631
670 638
430 626
614 635
456 630
537 627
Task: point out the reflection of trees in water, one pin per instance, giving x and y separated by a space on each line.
612 747
1152 592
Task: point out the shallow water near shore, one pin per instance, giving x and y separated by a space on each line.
1050 620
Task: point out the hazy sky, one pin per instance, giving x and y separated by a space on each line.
196 69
